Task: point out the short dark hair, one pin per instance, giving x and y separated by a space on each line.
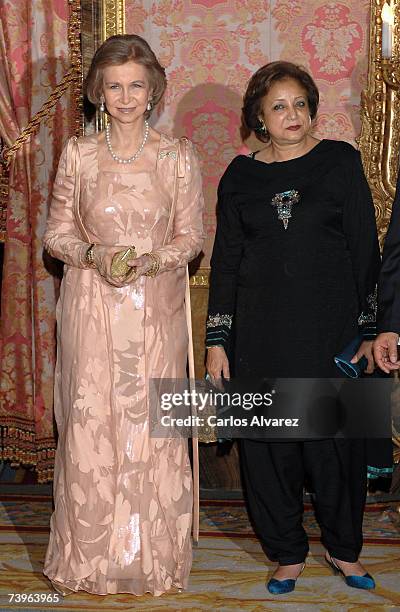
260 84
117 50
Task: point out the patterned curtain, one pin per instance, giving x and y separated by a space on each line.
34 57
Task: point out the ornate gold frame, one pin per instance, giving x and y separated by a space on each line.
380 108
380 119
113 17
100 19
379 140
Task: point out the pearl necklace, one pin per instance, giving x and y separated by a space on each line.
131 159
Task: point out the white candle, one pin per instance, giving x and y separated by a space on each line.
387 30
386 40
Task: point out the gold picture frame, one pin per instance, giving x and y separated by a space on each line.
113 17
378 142
380 118
100 19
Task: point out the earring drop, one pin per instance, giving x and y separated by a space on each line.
149 106
262 128
102 106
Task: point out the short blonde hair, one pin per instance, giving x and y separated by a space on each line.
118 50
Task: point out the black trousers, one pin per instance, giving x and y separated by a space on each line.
274 474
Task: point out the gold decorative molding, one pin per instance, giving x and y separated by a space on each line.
113 17
201 278
100 20
380 126
380 120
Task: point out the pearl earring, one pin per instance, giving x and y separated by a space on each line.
149 106
102 106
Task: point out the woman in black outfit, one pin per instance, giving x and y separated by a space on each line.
294 270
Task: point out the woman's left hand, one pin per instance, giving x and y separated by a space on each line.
141 264
365 350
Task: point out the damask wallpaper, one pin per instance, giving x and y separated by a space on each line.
210 48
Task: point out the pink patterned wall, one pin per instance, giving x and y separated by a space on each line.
210 48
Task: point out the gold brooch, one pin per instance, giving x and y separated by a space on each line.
163 154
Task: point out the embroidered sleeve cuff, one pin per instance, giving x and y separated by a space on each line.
218 328
367 319
369 332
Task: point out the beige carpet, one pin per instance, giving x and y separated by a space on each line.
229 567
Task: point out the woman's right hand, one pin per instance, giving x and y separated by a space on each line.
217 363
102 258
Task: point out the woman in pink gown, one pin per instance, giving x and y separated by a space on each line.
123 499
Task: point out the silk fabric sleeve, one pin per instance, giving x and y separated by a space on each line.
62 239
188 234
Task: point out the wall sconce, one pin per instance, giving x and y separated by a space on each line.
387 15
389 62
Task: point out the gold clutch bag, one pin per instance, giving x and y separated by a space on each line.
119 267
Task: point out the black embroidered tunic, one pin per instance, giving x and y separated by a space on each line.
282 301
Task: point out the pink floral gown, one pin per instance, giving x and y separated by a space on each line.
123 500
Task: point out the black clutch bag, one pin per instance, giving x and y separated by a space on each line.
343 360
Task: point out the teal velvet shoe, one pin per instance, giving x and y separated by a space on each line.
357 582
279 587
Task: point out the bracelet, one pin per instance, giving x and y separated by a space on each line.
89 257
155 266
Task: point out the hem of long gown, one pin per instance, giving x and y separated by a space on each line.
66 589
